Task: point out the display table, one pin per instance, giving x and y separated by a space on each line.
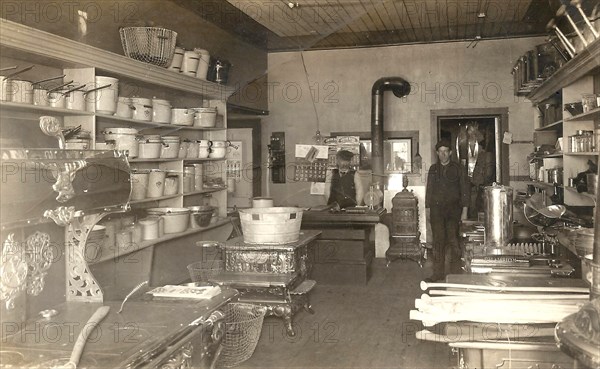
274 276
345 251
523 351
148 333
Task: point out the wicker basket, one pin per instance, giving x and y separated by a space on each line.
243 325
149 44
271 226
203 271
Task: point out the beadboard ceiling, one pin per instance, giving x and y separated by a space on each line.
279 25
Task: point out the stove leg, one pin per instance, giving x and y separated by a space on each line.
288 326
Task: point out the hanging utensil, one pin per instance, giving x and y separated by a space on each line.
73 89
59 87
561 36
47 79
577 4
563 11
96 89
71 131
9 68
19 72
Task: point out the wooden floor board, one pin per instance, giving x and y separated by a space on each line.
356 327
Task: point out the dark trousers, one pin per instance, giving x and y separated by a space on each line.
445 220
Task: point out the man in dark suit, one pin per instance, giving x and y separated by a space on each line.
446 202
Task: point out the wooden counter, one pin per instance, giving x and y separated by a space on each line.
344 252
523 351
148 333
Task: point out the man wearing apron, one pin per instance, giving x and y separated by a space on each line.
342 185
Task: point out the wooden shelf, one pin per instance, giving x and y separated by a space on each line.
145 244
543 185
590 115
582 153
153 160
201 160
587 197
583 64
153 199
206 190
551 127
4 105
18 41
140 123
548 156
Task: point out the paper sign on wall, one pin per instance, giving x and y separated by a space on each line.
303 150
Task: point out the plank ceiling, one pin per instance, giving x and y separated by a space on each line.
277 25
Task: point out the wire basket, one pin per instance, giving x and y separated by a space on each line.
243 324
203 271
151 45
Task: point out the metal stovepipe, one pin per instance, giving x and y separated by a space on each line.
595 288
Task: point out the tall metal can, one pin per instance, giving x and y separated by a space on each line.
498 208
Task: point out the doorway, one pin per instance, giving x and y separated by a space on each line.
450 124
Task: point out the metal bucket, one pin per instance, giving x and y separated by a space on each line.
498 209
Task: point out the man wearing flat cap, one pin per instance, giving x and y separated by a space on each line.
342 185
447 201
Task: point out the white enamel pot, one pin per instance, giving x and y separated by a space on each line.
175 65
139 184
75 99
124 107
156 183
217 152
125 139
189 65
176 219
20 91
56 99
106 99
142 109
205 117
182 117
161 111
169 149
203 62
40 96
149 149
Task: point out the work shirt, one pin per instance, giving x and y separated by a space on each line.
343 189
447 185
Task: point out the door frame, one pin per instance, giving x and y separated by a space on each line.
254 124
465 113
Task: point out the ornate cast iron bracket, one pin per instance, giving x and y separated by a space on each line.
24 266
64 174
81 285
51 126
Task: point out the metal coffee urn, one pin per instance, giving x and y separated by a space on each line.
498 209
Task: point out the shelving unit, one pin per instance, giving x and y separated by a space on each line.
51 54
148 243
550 127
580 75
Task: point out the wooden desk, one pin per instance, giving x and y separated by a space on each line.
344 252
274 276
